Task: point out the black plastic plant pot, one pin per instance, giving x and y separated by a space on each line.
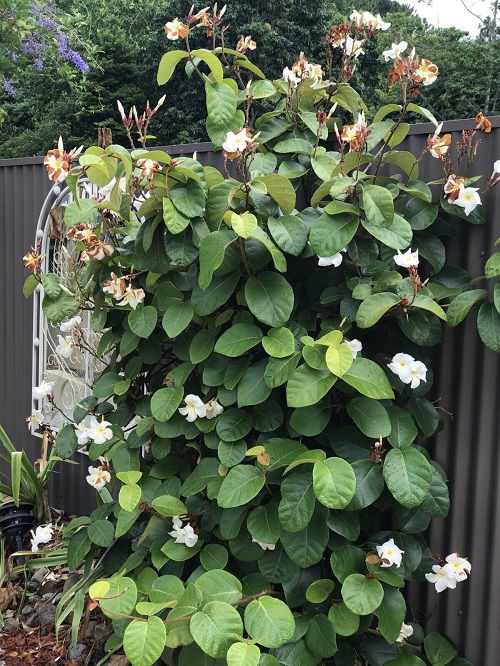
15 521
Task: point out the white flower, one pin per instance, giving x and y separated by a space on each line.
68 326
236 143
98 477
354 345
413 374
334 260
441 578
115 287
213 409
194 408
400 363
42 534
99 431
175 29
36 419
42 391
406 259
353 46
34 545
395 51
183 533
105 190
82 434
468 199
379 24
457 567
132 297
264 546
390 554
290 77
406 632
496 167
65 346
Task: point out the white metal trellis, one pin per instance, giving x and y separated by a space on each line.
74 376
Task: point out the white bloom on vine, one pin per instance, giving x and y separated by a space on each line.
213 409
457 567
334 260
236 142
441 578
71 324
132 297
353 47
115 287
65 346
406 632
406 259
468 199
395 51
195 408
42 391
105 190
413 374
175 29
315 72
99 431
82 433
36 419
42 534
354 345
183 533
264 546
379 24
290 77
390 554
98 477
496 166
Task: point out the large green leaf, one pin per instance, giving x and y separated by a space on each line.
391 614
212 61
370 417
212 253
270 298
408 475
189 200
488 325
144 642
238 339
216 627
362 595
307 386
142 320
289 233
334 482
281 190
241 485
378 205
269 621
306 547
461 305
332 233
368 378
177 317
221 102
398 234
243 654
165 401
374 307
168 64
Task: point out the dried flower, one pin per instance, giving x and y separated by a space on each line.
175 29
57 161
245 44
32 261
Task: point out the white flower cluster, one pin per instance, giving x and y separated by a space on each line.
42 534
368 20
97 431
447 576
390 554
335 260
408 369
183 533
195 408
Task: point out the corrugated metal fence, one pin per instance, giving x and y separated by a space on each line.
467 378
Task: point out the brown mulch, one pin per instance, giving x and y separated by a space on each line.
32 649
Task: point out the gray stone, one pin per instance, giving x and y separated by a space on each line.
78 652
10 625
39 575
71 580
33 621
46 614
27 610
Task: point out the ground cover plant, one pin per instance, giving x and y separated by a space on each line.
257 436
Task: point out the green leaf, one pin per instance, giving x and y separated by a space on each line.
168 64
345 621
370 417
214 556
297 501
307 386
362 595
408 475
243 654
417 189
289 233
334 482
403 430
66 441
205 472
241 484
201 346
338 359
279 342
404 160
269 621
167 505
321 637
175 221
307 546
270 298
221 102
219 585
325 164
165 401
51 285
277 256
177 317
369 483
120 598
492 267
244 224
29 286
233 424
102 533
212 253
427 303
142 320
378 205
280 189
438 650
397 235
144 642
391 614
263 523
62 307
188 199
129 496
238 339
80 211
368 378
374 307
252 389
332 233
212 61
488 325
461 305
319 591
261 89
437 501
216 628
294 146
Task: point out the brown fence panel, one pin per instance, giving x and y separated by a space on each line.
467 378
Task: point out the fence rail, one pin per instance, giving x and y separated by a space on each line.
467 379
